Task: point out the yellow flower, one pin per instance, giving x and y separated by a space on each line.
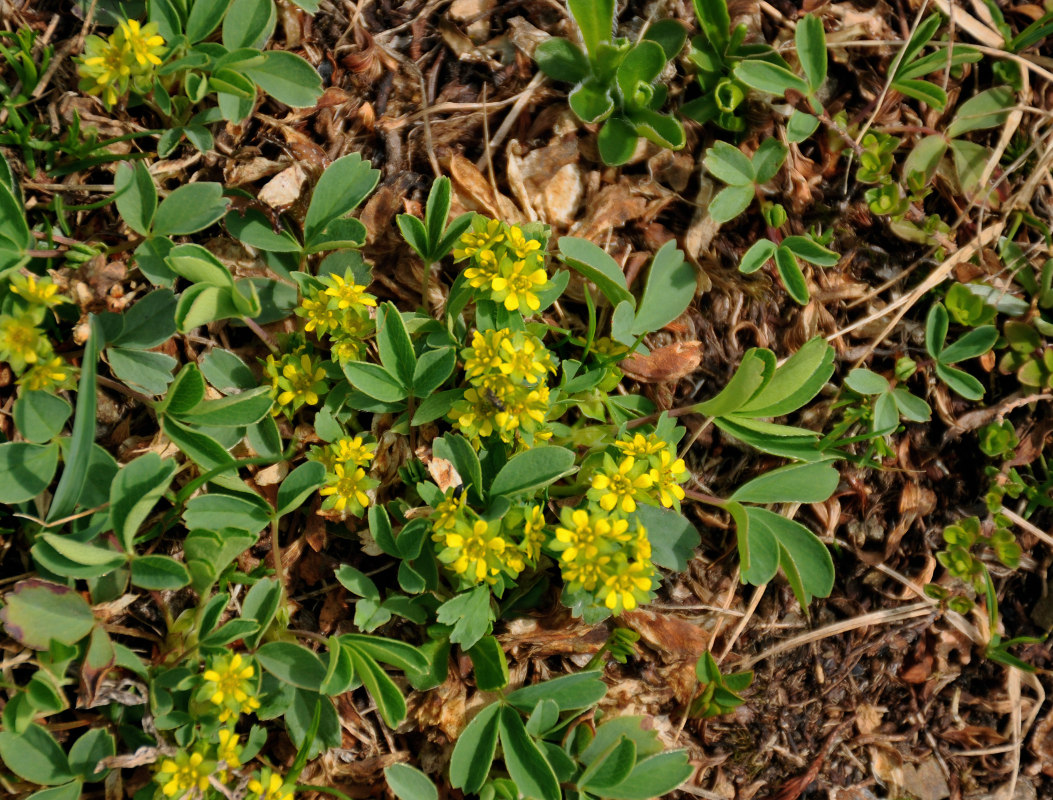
38 293
145 43
533 533
477 552
346 488
183 774
640 446
666 477
485 270
270 786
483 236
516 284
346 292
626 585
295 380
50 374
228 751
519 244
230 683
605 346
320 317
449 510
21 342
620 486
353 449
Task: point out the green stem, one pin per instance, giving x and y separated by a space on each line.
424 286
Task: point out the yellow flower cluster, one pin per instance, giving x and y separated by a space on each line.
231 683
296 380
489 551
653 475
269 786
600 555
346 481
339 309
125 59
506 262
183 774
23 345
507 393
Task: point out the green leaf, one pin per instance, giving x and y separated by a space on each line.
730 202
234 411
811 49
936 324
415 234
673 536
595 20
215 511
185 393
254 229
597 266
794 383
641 65
973 344
36 612
526 764
135 491
373 380
616 141
757 256
925 156
148 323
562 60
88 555
13 225
670 34
912 408
926 92
136 196
299 485
409 783
591 101
531 470
436 212
432 370
35 756
801 125
190 208
398 654
769 157
794 483
227 372
249 23
344 184
395 345
287 78
260 605
754 372
390 702
204 18
159 573
767 77
866 382
810 251
474 751
727 163
792 277
380 528
202 303
293 664
653 777
78 457
202 449
149 372
611 767
960 381
715 22
569 692
469 613
88 752
670 288
987 109
490 664
40 416
662 129
457 450
803 557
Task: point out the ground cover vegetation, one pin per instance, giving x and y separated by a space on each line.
687 442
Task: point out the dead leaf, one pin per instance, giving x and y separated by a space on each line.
664 364
675 638
284 189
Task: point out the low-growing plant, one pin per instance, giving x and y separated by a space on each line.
616 81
